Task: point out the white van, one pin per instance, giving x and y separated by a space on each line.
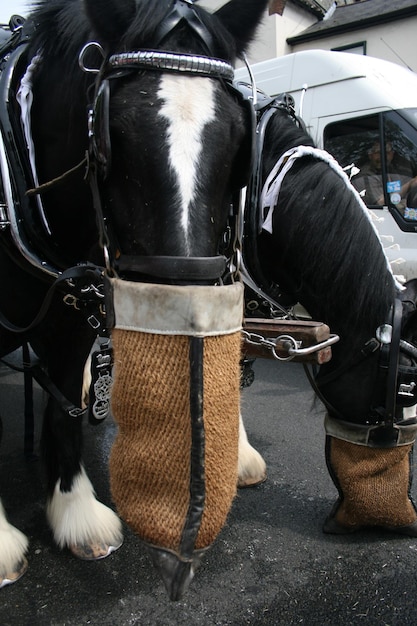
353 106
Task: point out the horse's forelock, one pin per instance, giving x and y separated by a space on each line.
151 13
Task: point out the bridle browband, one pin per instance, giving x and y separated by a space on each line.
172 62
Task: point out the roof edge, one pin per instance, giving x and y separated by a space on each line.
352 26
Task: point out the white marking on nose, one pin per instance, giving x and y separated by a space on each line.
188 105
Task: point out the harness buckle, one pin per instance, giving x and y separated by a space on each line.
94 322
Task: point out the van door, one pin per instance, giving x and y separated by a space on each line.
382 152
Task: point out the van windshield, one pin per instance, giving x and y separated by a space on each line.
380 152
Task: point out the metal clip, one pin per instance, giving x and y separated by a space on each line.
315 348
97 291
4 220
71 300
81 58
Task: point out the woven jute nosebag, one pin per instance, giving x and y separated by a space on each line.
173 466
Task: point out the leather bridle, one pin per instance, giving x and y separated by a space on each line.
165 268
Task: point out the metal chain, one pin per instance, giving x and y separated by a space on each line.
285 342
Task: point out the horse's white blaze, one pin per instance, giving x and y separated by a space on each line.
77 518
251 466
188 106
13 545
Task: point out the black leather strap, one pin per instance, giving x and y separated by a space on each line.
197 457
173 267
393 357
184 10
33 369
73 273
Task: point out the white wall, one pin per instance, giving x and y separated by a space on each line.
393 42
272 33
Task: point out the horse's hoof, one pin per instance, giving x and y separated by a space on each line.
93 551
250 481
12 577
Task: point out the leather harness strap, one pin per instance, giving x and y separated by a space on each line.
387 429
173 268
184 11
393 350
94 275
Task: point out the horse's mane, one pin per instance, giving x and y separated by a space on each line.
61 28
328 244
283 133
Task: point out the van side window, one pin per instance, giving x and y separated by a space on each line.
380 152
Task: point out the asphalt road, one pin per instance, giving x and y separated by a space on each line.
271 564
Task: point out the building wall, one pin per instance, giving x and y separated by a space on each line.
274 30
392 42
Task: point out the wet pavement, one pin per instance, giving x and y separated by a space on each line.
271 564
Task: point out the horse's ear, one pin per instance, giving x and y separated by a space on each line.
241 18
110 19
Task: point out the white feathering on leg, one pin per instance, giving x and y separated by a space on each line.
13 545
77 517
251 466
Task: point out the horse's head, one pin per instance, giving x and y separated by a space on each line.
170 132
172 136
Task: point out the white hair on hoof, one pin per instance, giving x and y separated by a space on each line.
78 520
13 547
251 466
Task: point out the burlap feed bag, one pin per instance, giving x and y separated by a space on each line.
373 483
150 459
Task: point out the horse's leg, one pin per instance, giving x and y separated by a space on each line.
373 483
251 466
78 520
13 547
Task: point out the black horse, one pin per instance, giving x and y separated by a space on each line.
312 239
138 153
